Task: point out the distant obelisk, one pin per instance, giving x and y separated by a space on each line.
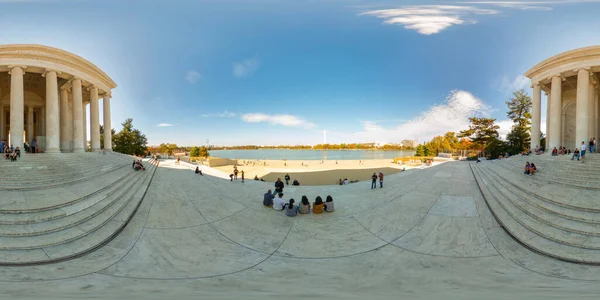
324 136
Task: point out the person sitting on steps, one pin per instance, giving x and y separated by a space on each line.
198 171
575 154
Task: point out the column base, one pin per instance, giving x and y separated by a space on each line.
53 150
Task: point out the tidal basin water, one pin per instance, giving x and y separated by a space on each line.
309 154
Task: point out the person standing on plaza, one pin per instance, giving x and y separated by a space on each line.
235 172
278 186
380 179
374 181
287 179
582 153
33 145
242 176
591 145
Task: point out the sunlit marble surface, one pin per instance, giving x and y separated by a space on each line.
427 234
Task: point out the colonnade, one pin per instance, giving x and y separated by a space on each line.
586 119
64 121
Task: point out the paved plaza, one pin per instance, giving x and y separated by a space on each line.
427 234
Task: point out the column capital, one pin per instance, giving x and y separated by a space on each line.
50 70
107 95
562 78
582 69
11 67
91 87
535 84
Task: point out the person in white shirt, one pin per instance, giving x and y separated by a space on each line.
278 202
582 151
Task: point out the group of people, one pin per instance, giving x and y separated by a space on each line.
304 207
530 169
287 180
374 180
234 176
138 166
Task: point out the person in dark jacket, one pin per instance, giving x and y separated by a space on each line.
268 198
279 186
287 179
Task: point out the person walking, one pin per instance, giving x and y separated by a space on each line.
242 176
374 181
380 179
582 152
235 172
287 179
33 145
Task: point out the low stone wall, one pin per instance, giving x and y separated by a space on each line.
218 162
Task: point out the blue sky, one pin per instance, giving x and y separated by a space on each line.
281 72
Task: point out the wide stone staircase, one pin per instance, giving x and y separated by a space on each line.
55 207
555 212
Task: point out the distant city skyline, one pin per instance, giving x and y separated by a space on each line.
285 72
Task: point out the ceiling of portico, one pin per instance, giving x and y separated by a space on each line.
33 82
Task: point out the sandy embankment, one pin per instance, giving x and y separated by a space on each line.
316 172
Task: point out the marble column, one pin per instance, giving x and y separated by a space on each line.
43 122
78 133
64 111
548 97
2 121
536 115
107 122
590 111
52 113
555 113
30 133
581 113
85 123
95 119
17 112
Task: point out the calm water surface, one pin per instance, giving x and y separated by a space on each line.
309 154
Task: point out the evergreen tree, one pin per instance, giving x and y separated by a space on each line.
203 151
102 136
519 111
130 140
483 133
420 150
195 152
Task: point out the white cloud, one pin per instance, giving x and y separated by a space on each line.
505 127
530 5
507 85
285 120
192 76
225 114
245 68
450 116
164 125
429 19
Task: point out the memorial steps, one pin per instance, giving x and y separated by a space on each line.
59 223
555 212
41 171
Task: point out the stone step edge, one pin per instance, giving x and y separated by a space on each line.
75 238
111 202
64 204
566 205
522 242
93 248
535 216
40 187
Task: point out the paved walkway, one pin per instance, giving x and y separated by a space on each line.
426 234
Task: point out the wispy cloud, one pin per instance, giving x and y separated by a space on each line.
164 125
432 19
452 115
193 76
285 120
507 85
429 19
225 114
531 5
245 68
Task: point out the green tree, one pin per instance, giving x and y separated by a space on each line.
483 133
130 140
168 148
203 151
195 152
519 111
420 150
112 130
